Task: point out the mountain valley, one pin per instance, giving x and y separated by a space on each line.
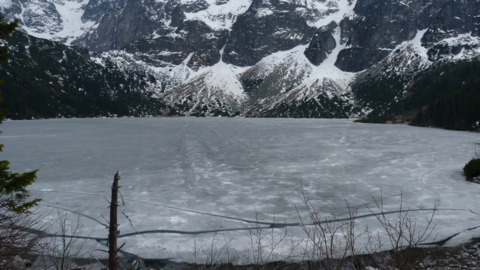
253 58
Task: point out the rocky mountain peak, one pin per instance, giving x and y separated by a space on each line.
264 57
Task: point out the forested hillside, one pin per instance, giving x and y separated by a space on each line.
446 96
48 79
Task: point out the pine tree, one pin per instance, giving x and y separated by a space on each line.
13 192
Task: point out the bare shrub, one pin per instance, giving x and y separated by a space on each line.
208 256
19 233
330 242
262 252
403 235
333 242
60 250
264 243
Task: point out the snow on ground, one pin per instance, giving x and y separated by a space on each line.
416 44
223 77
198 180
5 4
220 15
55 20
327 69
71 13
342 7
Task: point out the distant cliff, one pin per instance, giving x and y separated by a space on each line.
258 58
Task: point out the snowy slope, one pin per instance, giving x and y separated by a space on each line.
220 15
59 20
215 88
281 57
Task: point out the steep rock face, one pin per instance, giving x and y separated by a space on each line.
378 26
290 58
189 37
96 9
48 79
212 91
358 59
58 20
119 26
454 18
267 27
321 45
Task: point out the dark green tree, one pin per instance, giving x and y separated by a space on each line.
13 192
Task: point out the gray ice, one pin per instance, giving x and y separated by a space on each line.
184 179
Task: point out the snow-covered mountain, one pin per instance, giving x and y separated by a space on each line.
289 58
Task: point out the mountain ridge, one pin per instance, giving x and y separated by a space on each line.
268 58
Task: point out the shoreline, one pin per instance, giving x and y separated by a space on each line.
463 256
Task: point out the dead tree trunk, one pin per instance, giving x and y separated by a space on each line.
113 230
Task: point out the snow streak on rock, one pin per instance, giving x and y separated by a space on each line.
220 15
215 88
59 20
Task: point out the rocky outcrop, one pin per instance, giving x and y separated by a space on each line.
321 45
451 19
120 26
267 27
289 58
358 59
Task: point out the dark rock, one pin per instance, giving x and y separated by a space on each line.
177 16
28 263
453 18
358 59
96 9
120 26
321 45
189 37
381 25
196 6
259 32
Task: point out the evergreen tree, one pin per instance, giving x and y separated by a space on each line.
13 192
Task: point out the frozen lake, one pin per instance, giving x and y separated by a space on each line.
184 178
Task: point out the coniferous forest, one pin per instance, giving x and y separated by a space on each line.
48 79
446 96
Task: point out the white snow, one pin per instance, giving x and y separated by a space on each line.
328 70
313 80
182 72
222 77
416 43
71 14
204 174
220 16
342 7
70 26
5 4
264 12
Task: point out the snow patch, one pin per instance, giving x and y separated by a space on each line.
66 26
328 70
416 43
71 14
5 4
329 11
223 77
264 12
220 16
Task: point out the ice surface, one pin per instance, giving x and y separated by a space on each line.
188 177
